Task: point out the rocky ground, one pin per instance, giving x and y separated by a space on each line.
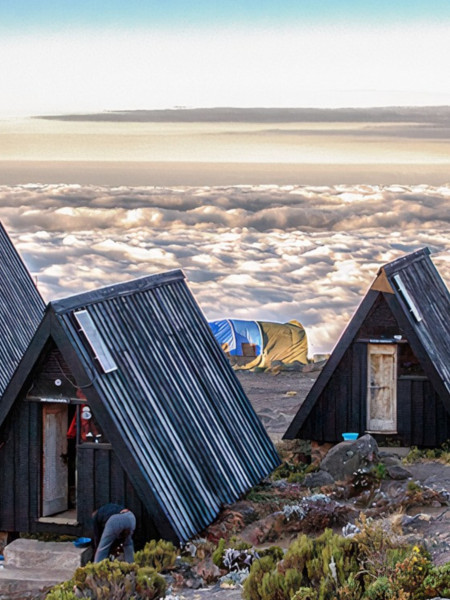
416 504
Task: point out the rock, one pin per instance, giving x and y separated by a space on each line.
229 522
344 459
194 583
318 479
207 571
390 460
398 473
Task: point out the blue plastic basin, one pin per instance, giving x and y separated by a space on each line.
350 436
82 541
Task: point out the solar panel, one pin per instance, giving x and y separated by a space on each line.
407 298
102 354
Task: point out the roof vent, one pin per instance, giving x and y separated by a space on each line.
407 298
92 334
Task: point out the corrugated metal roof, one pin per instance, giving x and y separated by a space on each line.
21 309
174 398
426 302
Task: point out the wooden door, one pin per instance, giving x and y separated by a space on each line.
55 480
382 388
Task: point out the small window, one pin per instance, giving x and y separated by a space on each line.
408 364
88 431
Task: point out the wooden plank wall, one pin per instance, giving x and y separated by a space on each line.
422 418
101 479
19 468
341 407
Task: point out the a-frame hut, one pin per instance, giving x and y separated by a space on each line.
125 396
389 374
21 309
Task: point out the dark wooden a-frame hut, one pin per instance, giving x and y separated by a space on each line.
125 396
389 374
21 309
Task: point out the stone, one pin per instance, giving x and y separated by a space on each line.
23 553
398 473
344 459
390 460
318 479
207 571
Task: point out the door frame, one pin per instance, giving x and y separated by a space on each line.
54 458
388 424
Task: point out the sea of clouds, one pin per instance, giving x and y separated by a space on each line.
251 252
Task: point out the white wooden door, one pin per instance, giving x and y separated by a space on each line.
55 482
382 388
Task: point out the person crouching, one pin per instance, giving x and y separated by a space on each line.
113 523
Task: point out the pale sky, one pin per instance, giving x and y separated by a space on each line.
81 56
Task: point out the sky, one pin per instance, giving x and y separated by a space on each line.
271 217
63 56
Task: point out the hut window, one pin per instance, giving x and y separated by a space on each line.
84 427
408 364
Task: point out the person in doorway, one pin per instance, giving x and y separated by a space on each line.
113 523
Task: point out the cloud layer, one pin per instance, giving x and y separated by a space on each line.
261 252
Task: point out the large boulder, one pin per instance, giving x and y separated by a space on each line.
346 458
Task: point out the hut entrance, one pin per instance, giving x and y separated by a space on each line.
382 388
58 460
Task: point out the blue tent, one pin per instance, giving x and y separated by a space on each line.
238 338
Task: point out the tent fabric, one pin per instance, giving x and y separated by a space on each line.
238 337
261 344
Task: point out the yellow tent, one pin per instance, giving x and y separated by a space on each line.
261 344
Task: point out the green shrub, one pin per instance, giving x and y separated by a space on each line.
149 584
60 593
237 544
280 586
158 554
409 575
259 494
111 580
273 551
293 473
437 582
324 564
253 583
351 589
380 470
305 593
314 558
380 589
378 550
217 556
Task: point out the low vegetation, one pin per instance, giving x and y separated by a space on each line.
371 565
372 562
111 580
115 580
442 454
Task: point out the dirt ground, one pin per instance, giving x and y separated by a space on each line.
276 397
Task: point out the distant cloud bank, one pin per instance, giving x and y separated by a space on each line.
264 252
395 114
